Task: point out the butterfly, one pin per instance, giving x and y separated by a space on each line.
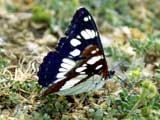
78 64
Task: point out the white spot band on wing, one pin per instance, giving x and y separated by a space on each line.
66 66
68 61
75 52
60 79
85 35
75 42
80 69
93 52
88 34
79 37
85 19
70 83
84 65
91 33
98 67
62 70
94 59
89 17
60 75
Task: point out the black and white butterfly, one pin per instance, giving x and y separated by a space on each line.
78 64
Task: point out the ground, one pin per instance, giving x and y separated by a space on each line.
130 33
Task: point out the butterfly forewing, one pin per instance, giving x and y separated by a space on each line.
78 56
81 33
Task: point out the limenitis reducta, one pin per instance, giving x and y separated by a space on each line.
78 64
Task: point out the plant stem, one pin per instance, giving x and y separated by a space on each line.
135 106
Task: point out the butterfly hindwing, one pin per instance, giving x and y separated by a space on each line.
78 56
78 75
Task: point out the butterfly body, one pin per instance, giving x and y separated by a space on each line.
78 57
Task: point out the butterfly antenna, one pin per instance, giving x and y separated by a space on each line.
111 72
118 76
116 65
122 77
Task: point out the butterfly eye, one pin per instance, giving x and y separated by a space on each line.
79 57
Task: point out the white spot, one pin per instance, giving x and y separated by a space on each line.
98 67
68 61
84 65
94 60
80 77
79 37
94 51
96 33
86 19
91 33
82 73
80 69
75 52
85 35
88 34
62 70
66 66
60 75
75 42
70 84
58 80
89 17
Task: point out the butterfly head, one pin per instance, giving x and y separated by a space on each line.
111 73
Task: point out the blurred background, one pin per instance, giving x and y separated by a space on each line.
130 33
